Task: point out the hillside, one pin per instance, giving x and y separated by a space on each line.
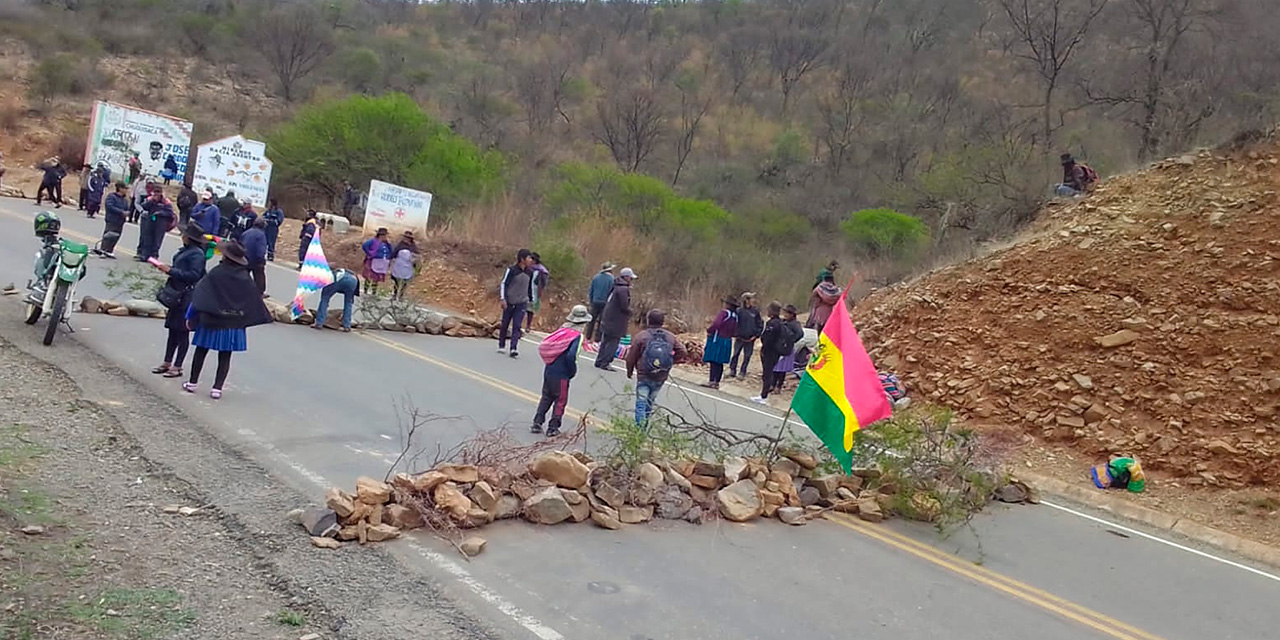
1140 320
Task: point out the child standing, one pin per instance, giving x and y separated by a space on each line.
560 353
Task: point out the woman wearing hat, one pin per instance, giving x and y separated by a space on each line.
377 261
559 352
404 265
719 346
184 274
223 305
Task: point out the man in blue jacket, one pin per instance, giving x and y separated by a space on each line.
207 215
158 217
274 216
255 249
597 295
116 209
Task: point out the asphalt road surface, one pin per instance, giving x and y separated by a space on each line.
321 408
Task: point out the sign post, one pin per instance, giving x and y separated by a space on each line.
396 208
234 164
117 132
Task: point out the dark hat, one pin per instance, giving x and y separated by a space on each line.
731 301
382 231
195 233
791 309
234 251
1067 158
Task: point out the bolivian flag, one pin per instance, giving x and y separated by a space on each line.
840 391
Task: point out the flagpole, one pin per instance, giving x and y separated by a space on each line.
781 430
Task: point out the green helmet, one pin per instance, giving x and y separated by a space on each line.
47 224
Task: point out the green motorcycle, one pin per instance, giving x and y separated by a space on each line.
59 266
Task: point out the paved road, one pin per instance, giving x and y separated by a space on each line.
321 408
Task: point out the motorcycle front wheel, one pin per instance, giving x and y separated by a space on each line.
33 313
60 296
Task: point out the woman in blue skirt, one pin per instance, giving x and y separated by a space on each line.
223 305
720 341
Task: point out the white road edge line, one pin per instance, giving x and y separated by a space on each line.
530 623
1154 538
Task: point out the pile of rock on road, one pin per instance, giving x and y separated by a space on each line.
137 308
558 486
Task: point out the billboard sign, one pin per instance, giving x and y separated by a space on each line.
234 164
396 208
117 132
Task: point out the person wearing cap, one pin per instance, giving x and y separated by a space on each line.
541 276
719 345
1077 178
515 292
559 352
223 305
157 219
616 318
305 235
228 204
187 199
650 378
274 216
377 260
116 211
184 274
597 295
244 219
206 214
750 325
93 195
348 284
255 251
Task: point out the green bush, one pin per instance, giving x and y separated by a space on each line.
61 75
561 259
388 138
885 233
648 204
361 69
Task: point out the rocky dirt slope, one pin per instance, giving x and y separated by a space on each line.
1143 319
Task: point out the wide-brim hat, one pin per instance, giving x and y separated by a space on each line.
579 315
608 266
234 251
195 233
730 300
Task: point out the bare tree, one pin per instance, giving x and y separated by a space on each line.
695 102
1165 23
629 123
1047 34
295 41
841 109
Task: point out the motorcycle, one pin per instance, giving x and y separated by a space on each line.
59 266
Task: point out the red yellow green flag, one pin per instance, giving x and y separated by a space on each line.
840 391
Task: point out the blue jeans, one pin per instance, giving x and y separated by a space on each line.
1065 191
347 286
273 233
646 400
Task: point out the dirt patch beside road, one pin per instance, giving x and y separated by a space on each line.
90 465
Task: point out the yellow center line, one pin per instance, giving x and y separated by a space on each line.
997 581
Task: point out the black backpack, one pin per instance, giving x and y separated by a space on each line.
788 337
659 354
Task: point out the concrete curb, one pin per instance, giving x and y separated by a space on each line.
1159 520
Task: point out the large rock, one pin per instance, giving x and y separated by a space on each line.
735 469
708 468
319 522
560 468
402 517
508 506
321 542
144 307
547 507
381 532
611 495
427 482
606 520
370 491
787 466
809 496
484 496
90 305
673 503
869 509
630 514
434 323
449 499
673 477
802 458
340 502
118 311
826 485
706 482
460 473
792 515
644 489
740 501
473 546
402 482
1117 339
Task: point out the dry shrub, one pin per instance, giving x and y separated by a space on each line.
503 220
70 148
12 110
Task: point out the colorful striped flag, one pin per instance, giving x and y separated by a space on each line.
840 391
314 276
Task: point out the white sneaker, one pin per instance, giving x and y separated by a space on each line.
759 400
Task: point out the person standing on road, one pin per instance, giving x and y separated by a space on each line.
560 355
793 331
650 358
541 278
185 272
157 219
597 295
719 345
224 304
773 342
117 208
515 292
744 343
377 261
255 251
138 194
305 235
404 264
245 217
170 171
93 197
206 214
86 172
616 320
187 200
51 182
346 283
227 207
135 169
274 216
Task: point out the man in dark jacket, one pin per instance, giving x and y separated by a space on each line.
255 250
744 342
515 292
349 199
274 216
776 337
305 235
207 215
597 295
649 381
187 200
245 217
116 209
616 319
51 182
558 373
227 206
158 211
